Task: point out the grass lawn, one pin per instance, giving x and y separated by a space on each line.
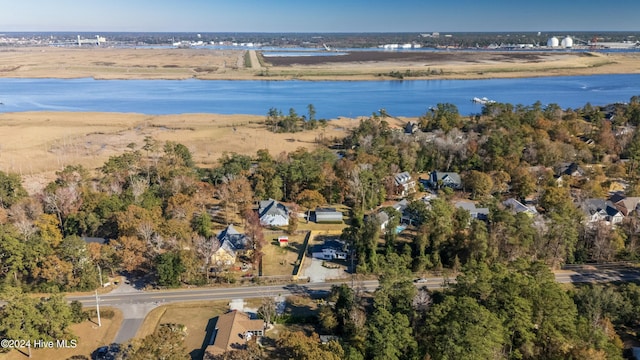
90 337
198 317
279 260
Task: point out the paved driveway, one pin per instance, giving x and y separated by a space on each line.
318 273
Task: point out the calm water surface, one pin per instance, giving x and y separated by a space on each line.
330 98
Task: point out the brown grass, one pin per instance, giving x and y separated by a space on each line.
280 260
194 315
36 144
111 63
90 337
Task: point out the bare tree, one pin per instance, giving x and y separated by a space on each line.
138 187
253 231
25 228
146 230
205 248
267 309
422 301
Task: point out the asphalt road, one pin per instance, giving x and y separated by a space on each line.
136 304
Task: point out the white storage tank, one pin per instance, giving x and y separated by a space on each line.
567 42
553 42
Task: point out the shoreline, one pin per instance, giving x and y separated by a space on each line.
203 64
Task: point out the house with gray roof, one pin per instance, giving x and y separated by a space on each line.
381 217
273 213
232 244
601 210
476 213
438 180
518 207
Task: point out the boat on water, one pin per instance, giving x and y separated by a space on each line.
483 100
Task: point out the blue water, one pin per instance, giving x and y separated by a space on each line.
330 98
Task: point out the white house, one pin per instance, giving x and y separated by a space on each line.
330 250
404 183
601 210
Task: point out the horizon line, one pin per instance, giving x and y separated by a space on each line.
316 32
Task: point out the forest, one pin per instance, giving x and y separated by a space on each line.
153 205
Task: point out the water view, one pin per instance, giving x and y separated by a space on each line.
332 99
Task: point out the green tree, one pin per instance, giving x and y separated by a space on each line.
390 336
479 183
298 346
178 154
169 268
11 189
13 254
460 328
310 199
26 318
166 343
312 112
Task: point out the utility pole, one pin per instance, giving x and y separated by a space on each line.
100 274
98 309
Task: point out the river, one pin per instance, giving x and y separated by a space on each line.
331 99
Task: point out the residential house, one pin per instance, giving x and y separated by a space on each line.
232 332
439 180
381 217
404 183
273 213
601 210
401 207
330 250
518 207
328 215
232 244
625 204
411 128
406 217
570 170
476 213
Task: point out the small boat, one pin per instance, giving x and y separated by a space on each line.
483 100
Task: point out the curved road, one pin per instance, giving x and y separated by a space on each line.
136 304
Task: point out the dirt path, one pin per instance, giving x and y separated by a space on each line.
255 63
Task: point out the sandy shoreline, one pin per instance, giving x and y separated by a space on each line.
176 64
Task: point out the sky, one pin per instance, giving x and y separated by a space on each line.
319 15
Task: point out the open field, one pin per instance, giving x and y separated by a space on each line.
36 144
90 337
197 317
452 65
280 261
107 63
112 63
